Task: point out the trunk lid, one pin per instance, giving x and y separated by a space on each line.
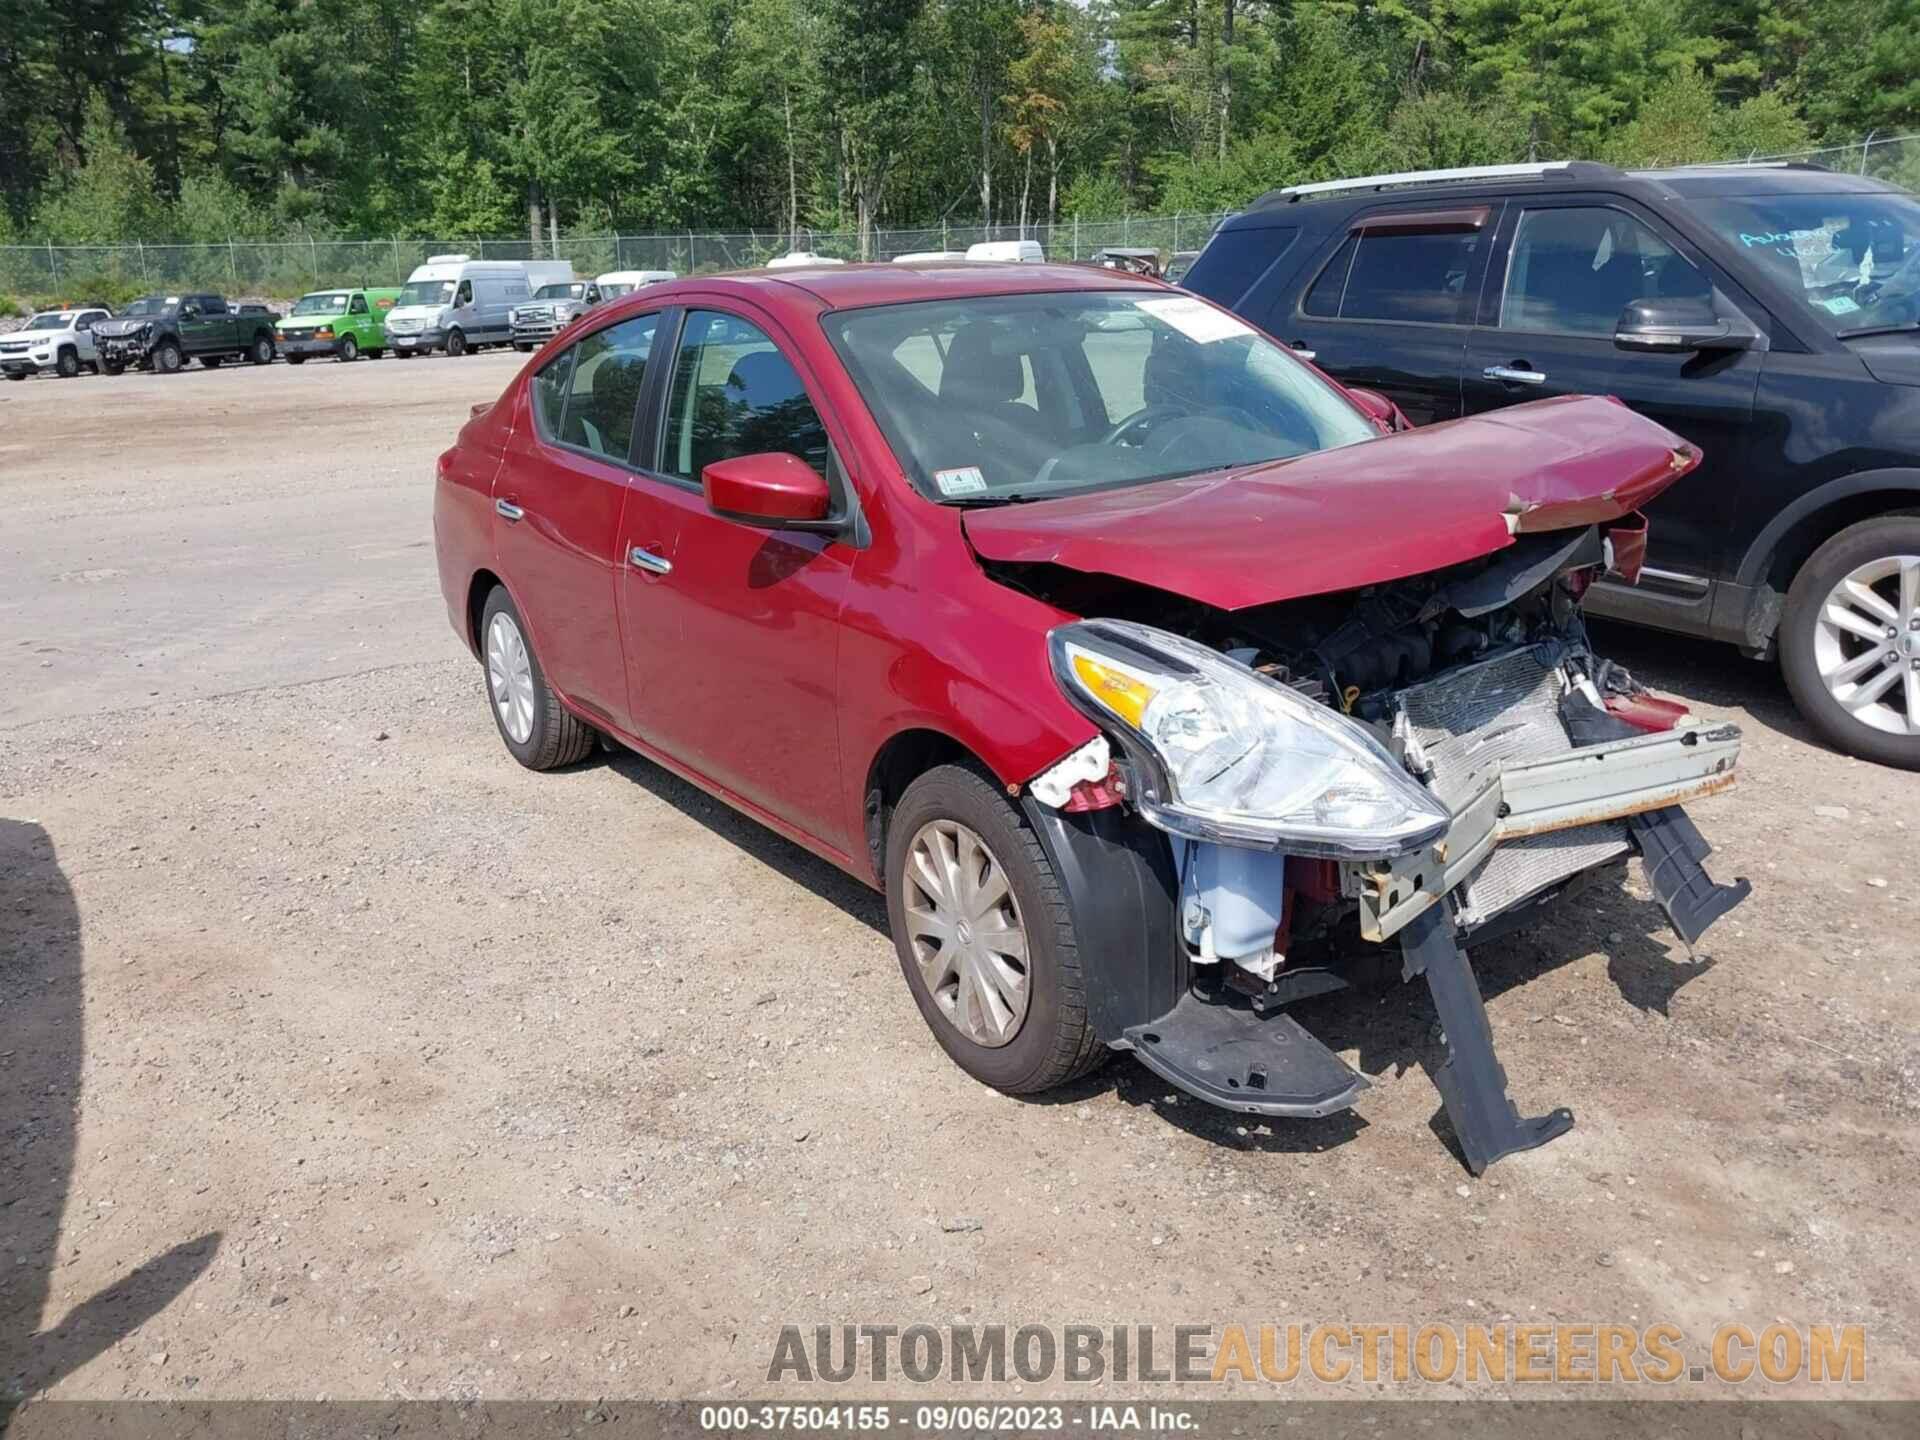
1360 515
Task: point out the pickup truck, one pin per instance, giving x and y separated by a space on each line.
163 332
56 340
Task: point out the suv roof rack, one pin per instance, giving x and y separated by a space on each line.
1531 171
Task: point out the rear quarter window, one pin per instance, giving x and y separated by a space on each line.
1415 278
1235 259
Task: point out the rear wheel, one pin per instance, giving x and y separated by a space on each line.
68 365
522 346
296 359
985 935
349 348
1850 640
375 354
167 358
539 732
261 351
456 342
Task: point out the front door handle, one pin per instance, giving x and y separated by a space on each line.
1514 375
647 560
507 510
1299 347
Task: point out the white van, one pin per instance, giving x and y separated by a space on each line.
928 257
457 304
801 257
616 283
1026 251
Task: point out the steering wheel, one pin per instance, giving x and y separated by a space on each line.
1896 292
1146 415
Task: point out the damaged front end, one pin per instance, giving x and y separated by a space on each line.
1423 763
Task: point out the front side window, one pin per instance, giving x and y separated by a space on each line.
1419 277
734 393
1573 270
1851 261
464 296
359 305
603 387
1026 396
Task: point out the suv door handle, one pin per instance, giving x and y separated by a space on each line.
1513 375
647 560
507 510
1299 347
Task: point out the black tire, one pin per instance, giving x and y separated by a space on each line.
113 367
523 347
1857 545
212 362
16 374
349 350
1055 1043
558 736
94 366
167 358
296 359
376 354
68 364
456 342
261 351
403 354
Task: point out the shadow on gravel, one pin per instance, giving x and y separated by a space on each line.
41 1048
802 867
1706 675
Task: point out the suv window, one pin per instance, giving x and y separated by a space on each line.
603 387
1573 270
1419 277
734 393
1235 259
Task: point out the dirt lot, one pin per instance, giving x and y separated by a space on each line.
341 1056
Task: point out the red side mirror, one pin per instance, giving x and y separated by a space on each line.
766 489
1379 409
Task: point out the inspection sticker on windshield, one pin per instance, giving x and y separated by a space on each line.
1195 320
966 480
1839 304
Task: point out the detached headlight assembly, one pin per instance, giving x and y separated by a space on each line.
1230 756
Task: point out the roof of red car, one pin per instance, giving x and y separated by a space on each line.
847 287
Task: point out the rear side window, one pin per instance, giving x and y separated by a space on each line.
603 388
1235 259
734 393
1416 278
550 394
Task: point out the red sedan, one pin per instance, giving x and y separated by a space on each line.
1154 677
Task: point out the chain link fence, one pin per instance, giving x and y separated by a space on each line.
283 269
287 268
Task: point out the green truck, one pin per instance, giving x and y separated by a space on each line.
345 324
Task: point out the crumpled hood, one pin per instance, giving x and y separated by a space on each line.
124 324
1359 515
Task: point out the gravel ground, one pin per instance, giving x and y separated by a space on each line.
341 1056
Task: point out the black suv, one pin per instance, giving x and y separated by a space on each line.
1770 314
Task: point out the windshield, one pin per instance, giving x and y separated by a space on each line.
330 302
1852 261
145 305
1025 397
51 320
425 292
561 292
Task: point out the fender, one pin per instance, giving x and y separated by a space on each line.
1753 565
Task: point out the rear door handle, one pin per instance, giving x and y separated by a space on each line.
1513 375
507 510
647 560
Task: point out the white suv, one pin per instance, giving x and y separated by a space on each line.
57 340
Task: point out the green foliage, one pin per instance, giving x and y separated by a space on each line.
204 120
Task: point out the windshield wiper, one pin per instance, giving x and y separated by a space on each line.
1867 330
987 502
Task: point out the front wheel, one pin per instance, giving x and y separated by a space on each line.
539 732
349 348
1850 640
68 365
261 351
376 354
167 358
456 343
16 374
985 935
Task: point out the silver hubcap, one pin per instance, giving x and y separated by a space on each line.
510 678
966 933
1866 644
